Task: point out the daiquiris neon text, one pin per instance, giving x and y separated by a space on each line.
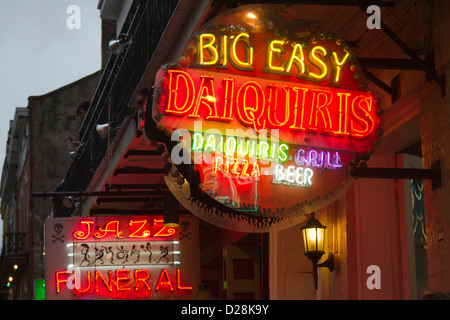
261 104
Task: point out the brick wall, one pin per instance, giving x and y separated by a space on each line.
435 134
52 118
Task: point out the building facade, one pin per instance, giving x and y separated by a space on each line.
37 159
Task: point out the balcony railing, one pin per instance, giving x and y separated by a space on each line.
15 244
146 23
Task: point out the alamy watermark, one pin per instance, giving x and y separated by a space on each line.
73 21
374 20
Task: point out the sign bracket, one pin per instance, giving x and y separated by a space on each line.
433 174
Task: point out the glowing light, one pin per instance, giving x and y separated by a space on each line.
179 287
317 57
339 65
98 276
295 176
175 87
296 59
88 287
143 233
164 279
122 277
235 60
114 225
206 42
251 15
277 47
206 97
251 113
236 168
269 105
138 279
60 281
81 235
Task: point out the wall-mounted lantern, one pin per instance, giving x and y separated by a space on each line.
314 241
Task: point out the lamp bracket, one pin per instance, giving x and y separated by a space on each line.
329 263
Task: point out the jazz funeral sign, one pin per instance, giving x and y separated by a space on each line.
120 258
271 111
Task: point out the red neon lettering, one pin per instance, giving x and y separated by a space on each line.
60 281
206 97
228 99
99 275
343 115
320 102
273 105
179 287
143 234
164 231
82 235
364 119
179 81
88 285
107 229
119 278
123 282
299 111
239 169
330 112
138 279
164 279
250 105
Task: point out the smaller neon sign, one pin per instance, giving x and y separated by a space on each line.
144 228
120 280
318 159
291 175
121 258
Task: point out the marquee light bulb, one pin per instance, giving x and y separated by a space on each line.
251 15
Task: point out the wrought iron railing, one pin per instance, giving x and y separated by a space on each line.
15 244
145 23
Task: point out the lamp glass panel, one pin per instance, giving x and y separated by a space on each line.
313 239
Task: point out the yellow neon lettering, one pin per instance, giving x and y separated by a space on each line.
223 60
247 64
208 46
339 64
296 60
273 48
320 64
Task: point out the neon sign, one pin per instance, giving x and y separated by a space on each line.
268 105
120 258
274 107
135 228
121 280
